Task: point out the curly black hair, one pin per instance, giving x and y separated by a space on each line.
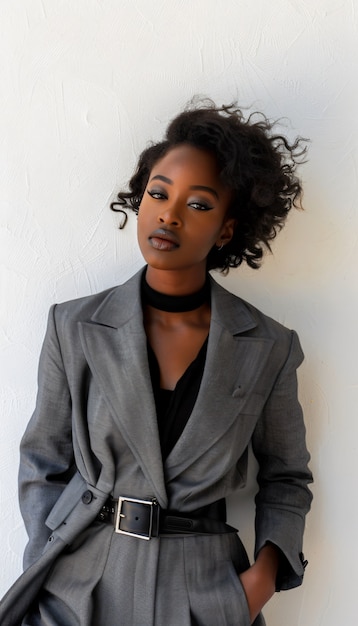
257 165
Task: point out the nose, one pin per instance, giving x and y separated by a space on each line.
170 215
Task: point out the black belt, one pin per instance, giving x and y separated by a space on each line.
145 519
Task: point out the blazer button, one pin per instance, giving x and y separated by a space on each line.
87 497
303 560
239 392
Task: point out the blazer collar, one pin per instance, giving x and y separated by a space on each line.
121 304
229 311
124 303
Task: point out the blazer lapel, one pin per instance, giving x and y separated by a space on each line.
114 343
233 366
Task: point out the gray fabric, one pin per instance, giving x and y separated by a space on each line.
94 429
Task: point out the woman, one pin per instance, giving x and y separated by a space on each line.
149 396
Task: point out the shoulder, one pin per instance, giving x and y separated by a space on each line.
243 316
243 319
104 307
83 308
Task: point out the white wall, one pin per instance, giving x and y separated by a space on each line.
84 84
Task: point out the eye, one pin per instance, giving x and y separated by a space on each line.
157 194
200 206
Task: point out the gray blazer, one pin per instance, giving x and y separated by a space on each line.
94 430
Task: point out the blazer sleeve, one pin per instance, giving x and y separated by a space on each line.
283 498
46 452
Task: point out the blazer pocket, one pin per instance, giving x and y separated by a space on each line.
240 606
226 601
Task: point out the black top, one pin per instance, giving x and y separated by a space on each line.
174 407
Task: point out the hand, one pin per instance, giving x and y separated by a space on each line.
259 581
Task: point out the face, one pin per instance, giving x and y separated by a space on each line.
183 212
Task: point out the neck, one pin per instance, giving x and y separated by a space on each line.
169 303
176 283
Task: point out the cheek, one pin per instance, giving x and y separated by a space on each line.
140 234
210 234
140 228
145 211
142 217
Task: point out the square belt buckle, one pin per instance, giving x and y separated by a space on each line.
151 503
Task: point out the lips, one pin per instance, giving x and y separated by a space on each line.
163 239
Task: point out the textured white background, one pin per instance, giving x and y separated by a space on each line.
84 85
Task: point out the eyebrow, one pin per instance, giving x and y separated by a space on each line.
193 187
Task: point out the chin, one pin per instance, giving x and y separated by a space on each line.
160 259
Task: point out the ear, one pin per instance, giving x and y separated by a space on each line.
226 232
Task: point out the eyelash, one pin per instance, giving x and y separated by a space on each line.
157 195
198 206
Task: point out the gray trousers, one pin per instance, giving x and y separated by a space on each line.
169 581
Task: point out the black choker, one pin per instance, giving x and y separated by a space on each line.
175 304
